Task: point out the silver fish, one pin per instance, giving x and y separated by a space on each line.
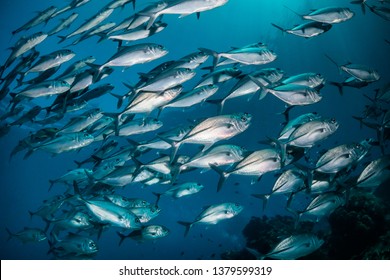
181 190
139 126
145 214
322 206
340 157
47 88
306 30
293 247
167 79
43 16
312 80
127 202
23 45
219 76
255 164
288 183
376 173
292 125
219 155
292 94
108 212
214 214
73 244
28 235
330 15
310 133
214 129
138 33
65 142
64 24
51 60
90 23
193 97
185 8
151 232
136 54
360 72
146 101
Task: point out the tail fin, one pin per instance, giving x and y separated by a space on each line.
175 147
216 56
362 5
187 226
222 176
218 102
255 253
158 195
339 87
52 182
10 234
280 28
122 237
300 15
264 198
120 98
333 61
31 214
62 38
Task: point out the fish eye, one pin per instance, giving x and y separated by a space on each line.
333 121
244 119
86 134
137 220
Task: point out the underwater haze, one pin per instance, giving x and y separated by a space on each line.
224 218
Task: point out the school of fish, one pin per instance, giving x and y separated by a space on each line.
91 204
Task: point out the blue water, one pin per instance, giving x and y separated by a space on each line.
24 183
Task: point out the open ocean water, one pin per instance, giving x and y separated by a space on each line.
363 39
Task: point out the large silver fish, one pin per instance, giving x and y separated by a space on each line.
185 8
329 15
214 214
41 17
252 55
313 80
51 60
309 134
28 235
360 72
322 206
193 97
136 54
108 212
181 190
255 164
148 101
47 88
64 142
220 155
73 245
90 23
64 24
23 45
376 173
293 247
307 29
288 183
245 86
214 129
292 125
340 157
151 232
292 94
